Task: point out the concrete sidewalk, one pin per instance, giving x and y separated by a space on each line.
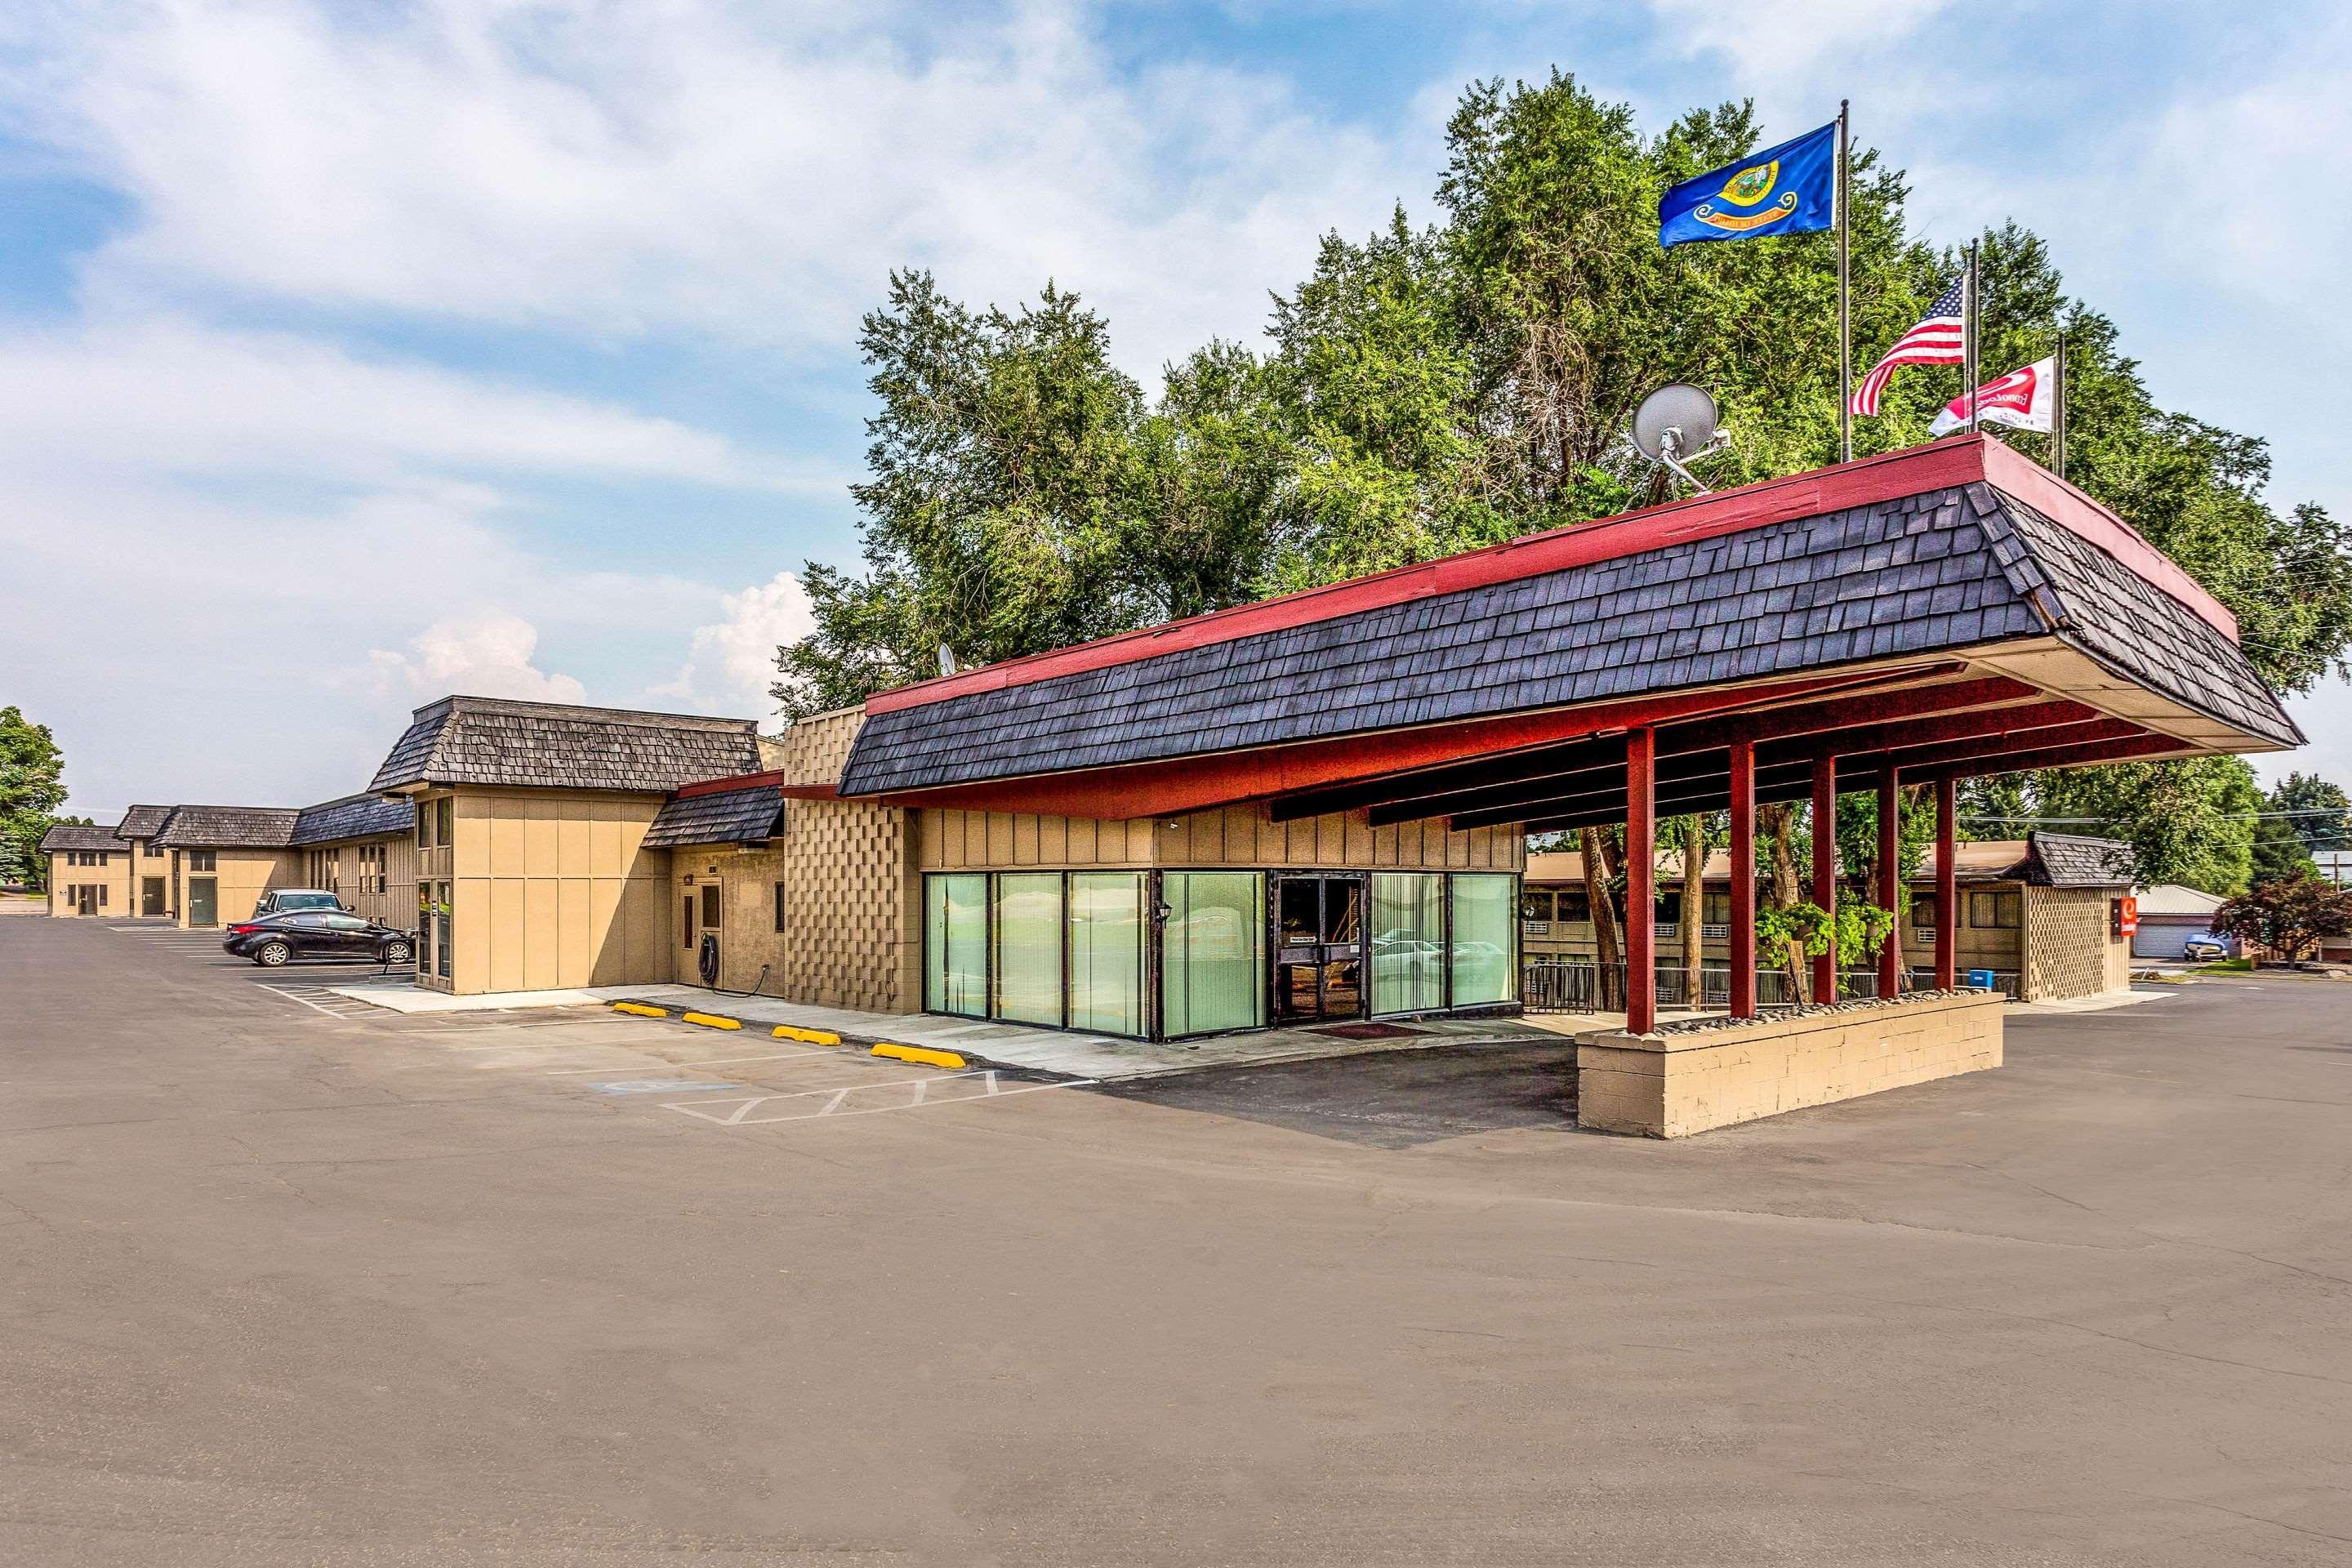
1096 1057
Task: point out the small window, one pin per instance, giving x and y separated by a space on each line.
148 850
1923 911
710 906
105 859
446 827
423 828
1716 908
1575 904
779 905
201 860
101 895
1535 903
686 923
1994 911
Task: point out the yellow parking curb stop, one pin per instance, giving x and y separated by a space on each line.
640 1009
918 1054
806 1037
712 1020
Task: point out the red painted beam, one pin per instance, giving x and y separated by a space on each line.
2127 751
1743 879
1947 898
1890 881
1766 724
1190 784
1824 834
1641 895
1518 803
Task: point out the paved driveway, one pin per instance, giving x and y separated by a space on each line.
290 1287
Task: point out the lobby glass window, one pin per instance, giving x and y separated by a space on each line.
955 945
1408 942
1213 968
1485 938
1106 918
1029 947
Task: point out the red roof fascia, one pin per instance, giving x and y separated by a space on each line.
1940 465
1190 784
761 781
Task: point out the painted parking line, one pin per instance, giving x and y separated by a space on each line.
851 1100
319 999
708 1062
659 1086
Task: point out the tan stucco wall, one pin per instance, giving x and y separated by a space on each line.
554 888
240 877
1670 1086
2069 947
118 877
1232 835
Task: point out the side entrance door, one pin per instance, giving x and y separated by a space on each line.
86 904
151 897
204 901
1319 955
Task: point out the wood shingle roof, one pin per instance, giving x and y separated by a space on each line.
66 836
353 816
751 815
228 827
497 741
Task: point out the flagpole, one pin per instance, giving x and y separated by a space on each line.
1845 306
2058 412
1969 338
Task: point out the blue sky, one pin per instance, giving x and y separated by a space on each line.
351 354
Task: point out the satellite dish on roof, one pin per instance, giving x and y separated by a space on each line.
947 659
1675 424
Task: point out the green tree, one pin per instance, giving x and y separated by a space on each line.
2289 916
2276 853
32 787
2189 822
2319 812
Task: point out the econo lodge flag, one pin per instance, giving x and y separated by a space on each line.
2023 398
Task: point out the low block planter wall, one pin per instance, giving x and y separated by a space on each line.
1688 1078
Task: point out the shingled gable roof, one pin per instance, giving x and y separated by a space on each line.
2070 861
752 814
142 821
353 816
228 827
549 745
1912 553
65 835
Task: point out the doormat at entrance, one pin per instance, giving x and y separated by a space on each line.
1368 1031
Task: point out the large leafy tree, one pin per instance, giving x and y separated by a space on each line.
2317 810
1424 391
32 787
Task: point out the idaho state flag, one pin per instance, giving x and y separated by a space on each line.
1788 189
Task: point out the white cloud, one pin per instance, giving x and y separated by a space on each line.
1773 42
731 664
169 394
749 173
480 655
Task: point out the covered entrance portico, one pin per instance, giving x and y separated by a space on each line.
1920 618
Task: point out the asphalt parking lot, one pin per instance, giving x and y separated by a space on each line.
290 1285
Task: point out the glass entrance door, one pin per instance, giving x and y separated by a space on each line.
1318 959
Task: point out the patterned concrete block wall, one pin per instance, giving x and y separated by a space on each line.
2068 948
851 932
1232 836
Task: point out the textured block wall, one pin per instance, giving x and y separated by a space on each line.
852 934
2067 950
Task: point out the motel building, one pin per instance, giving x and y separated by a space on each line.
1312 811
208 866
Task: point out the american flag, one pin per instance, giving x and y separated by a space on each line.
1940 338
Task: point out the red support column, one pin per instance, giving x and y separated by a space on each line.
1890 883
1641 878
1743 879
1825 871
1948 896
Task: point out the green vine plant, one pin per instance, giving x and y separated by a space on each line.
1856 931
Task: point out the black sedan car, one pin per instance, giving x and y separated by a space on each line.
316 933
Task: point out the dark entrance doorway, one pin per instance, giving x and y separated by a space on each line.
86 902
1318 947
151 897
204 901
